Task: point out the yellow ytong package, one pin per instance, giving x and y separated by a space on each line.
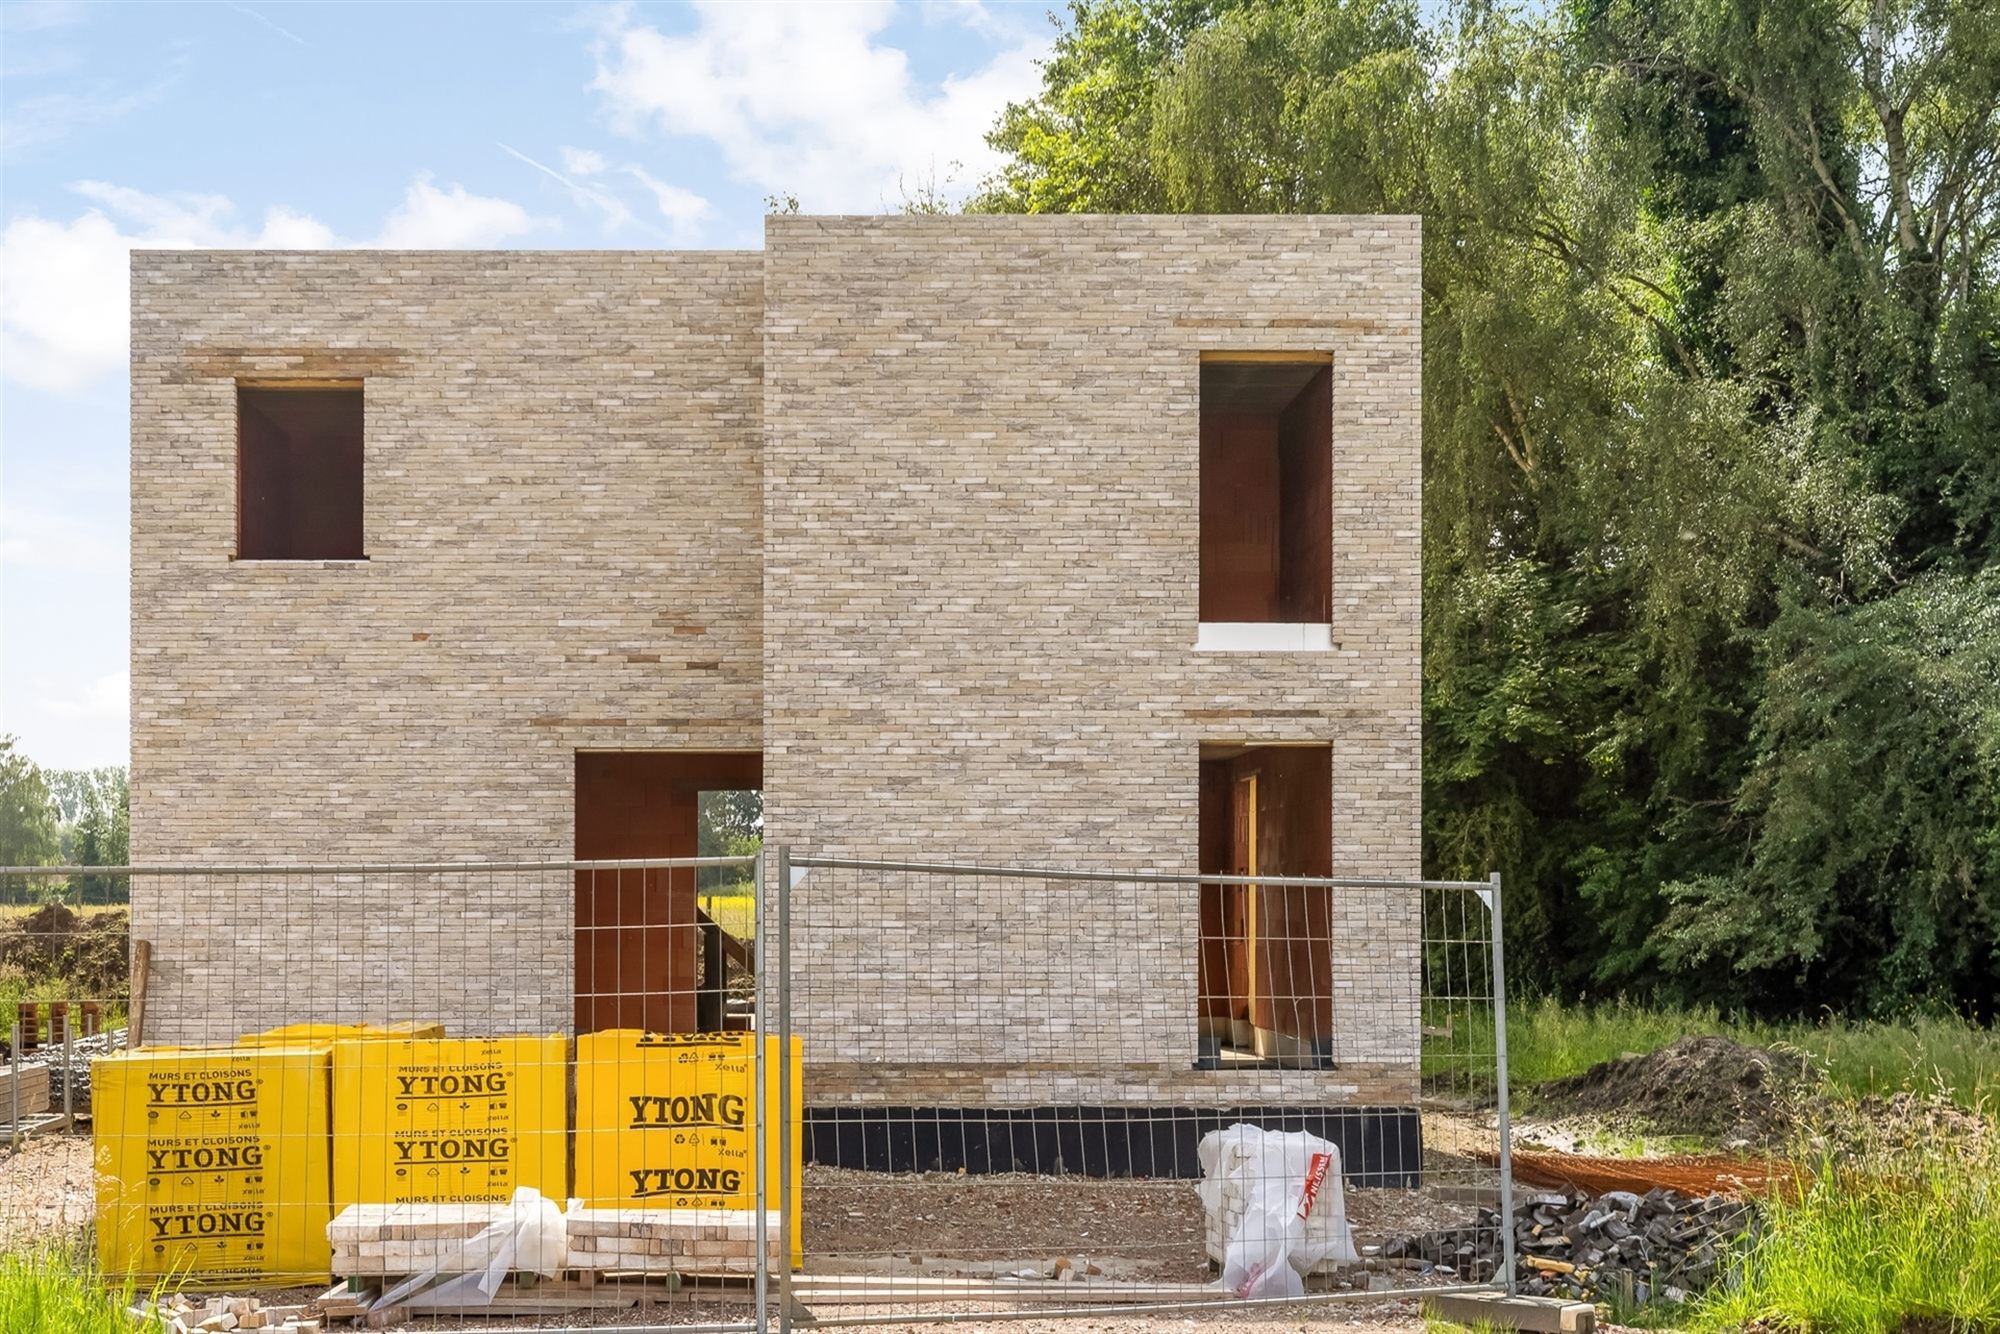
213 1163
449 1120
300 1035
667 1121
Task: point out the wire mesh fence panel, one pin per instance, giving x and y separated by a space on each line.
1038 1091
684 1091
497 1089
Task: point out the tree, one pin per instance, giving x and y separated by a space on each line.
1711 372
732 825
27 816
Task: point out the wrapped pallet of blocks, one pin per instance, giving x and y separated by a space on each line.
449 1120
212 1163
666 1154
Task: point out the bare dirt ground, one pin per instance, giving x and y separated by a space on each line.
976 1226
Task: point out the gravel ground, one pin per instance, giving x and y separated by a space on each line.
47 1191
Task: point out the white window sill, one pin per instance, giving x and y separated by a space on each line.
300 562
1263 637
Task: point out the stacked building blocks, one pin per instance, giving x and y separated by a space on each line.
670 1241
443 1120
396 1240
213 1163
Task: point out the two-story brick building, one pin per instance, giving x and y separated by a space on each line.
1061 541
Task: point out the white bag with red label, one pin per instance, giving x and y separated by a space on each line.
1275 1204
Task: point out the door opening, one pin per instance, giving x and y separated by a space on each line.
1266 963
641 935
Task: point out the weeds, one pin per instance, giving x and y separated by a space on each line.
50 1291
1876 1245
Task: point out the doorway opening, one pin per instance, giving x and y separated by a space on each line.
1265 973
648 954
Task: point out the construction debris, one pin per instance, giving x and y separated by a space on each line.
1662 1245
178 1315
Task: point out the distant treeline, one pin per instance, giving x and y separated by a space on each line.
79 817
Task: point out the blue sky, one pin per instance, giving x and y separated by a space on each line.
417 125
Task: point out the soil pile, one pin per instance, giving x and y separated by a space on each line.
87 953
1705 1086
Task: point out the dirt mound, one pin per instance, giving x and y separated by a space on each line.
87 953
1704 1086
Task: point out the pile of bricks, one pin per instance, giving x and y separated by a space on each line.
669 1241
178 1315
381 1241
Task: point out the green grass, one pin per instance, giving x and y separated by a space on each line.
1906 1241
1549 1040
49 1291
734 913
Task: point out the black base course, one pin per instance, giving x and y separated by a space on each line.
1379 1146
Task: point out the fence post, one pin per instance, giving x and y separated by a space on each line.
14 1051
1500 1076
787 1187
760 1034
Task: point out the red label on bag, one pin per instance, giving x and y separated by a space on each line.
1315 1177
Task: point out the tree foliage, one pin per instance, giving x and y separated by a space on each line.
27 817
1711 442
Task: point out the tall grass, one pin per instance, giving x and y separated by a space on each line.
1907 1241
48 1291
1548 1040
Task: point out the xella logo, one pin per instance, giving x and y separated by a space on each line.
473 1149
1315 1178
480 1084
201 1092
712 1110
648 1182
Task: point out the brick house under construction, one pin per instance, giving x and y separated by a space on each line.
1061 541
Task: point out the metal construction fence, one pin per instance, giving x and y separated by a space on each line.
755 1091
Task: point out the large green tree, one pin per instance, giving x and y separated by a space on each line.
27 816
1711 395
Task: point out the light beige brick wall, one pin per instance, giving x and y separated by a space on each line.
562 527
978 557
981 556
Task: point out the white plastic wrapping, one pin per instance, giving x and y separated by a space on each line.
1275 1198
529 1237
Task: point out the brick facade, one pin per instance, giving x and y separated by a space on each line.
910 502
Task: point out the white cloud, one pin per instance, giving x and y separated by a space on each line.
809 98
64 301
583 161
434 219
44 539
684 210
613 209
105 697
